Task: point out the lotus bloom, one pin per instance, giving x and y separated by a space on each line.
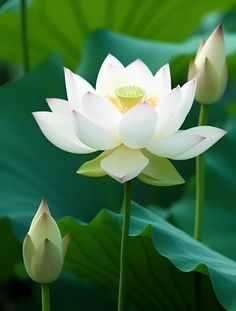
43 248
209 68
133 117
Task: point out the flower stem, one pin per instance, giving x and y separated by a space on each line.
45 297
200 180
124 242
24 36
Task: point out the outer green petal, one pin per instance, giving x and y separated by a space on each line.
28 252
92 168
65 244
46 263
208 84
223 79
159 172
192 70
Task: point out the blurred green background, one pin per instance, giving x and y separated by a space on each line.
79 34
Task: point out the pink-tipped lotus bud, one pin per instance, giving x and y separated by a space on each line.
209 68
43 248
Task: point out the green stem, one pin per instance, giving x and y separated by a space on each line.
24 36
124 242
200 180
45 297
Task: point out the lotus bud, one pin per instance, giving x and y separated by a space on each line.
43 248
209 68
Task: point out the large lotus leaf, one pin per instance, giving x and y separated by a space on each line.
2 2
219 225
58 25
161 262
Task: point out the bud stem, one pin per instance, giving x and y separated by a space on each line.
45 297
124 242
200 180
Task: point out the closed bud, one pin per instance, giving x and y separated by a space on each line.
43 248
209 68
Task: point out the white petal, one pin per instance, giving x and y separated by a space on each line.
166 109
59 131
138 125
124 164
110 76
76 86
100 111
60 106
139 74
161 83
92 134
182 108
211 136
174 146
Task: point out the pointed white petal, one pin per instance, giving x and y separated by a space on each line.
174 146
182 108
100 111
211 136
166 109
59 131
138 125
76 86
110 60
161 84
94 135
110 76
139 74
60 106
124 164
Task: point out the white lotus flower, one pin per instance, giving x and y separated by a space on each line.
133 116
43 248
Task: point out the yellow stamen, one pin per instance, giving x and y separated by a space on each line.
152 100
117 103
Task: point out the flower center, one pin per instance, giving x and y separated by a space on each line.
129 95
